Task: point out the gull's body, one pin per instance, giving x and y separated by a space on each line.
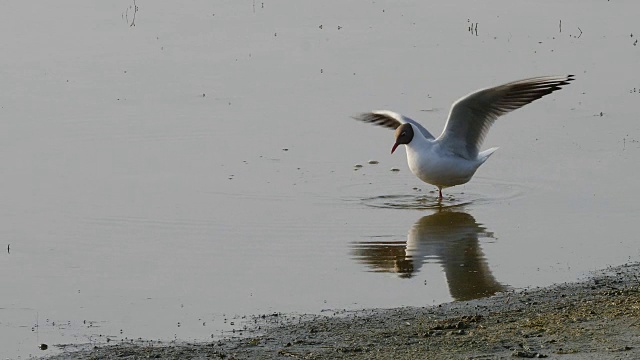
437 165
453 158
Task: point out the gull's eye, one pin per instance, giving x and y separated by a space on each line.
403 133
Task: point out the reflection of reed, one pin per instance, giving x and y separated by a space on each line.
449 238
125 14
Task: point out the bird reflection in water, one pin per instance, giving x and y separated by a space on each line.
450 238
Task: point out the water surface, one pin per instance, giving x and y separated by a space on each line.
164 177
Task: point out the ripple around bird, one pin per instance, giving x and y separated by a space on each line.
484 190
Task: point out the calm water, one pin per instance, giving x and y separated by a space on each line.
165 179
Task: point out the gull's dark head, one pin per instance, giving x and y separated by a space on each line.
404 135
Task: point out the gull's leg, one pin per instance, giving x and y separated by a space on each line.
439 193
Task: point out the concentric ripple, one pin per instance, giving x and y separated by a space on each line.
413 202
483 191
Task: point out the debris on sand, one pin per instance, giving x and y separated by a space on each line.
595 319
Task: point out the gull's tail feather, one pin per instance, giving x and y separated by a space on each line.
484 155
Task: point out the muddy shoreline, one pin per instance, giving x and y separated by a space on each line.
598 318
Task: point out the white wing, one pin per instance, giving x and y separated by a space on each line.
471 116
391 120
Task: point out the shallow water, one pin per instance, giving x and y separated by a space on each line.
164 180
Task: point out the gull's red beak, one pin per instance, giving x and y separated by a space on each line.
394 147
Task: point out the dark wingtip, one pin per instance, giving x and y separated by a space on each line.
569 79
559 83
377 119
359 117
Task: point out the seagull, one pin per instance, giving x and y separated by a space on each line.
453 157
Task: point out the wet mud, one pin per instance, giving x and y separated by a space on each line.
598 318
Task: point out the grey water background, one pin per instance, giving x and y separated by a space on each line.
171 168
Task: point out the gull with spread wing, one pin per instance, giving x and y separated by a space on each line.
453 157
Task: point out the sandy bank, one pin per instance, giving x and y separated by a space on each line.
598 318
